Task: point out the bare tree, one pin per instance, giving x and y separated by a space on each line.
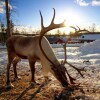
2 28
8 17
11 27
93 27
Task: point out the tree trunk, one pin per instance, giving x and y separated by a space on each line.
8 18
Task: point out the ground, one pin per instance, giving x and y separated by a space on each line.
47 92
90 87
87 56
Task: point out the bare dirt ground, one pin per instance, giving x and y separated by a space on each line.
91 87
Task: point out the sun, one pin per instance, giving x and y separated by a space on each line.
72 18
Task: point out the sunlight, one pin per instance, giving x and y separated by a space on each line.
66 30
72 18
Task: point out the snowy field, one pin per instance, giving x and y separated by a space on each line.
87 55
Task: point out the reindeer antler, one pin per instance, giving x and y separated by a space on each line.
59 71
78 30
79 70
51 26
65 61
46 29
70 78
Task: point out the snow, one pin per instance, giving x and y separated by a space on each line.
2 46
91 51
91 48
87 56
86 51
68 45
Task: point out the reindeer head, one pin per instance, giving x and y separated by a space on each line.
60 73
59 70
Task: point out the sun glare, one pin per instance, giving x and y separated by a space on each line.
66 30
72 18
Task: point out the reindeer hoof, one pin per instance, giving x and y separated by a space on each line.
34 83
10 86
17 78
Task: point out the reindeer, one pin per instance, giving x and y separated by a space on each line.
35 48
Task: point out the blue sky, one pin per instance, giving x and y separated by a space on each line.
76 12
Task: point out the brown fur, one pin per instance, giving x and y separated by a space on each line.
28 48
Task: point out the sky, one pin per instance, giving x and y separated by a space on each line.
83 13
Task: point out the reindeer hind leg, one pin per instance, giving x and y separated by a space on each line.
15 62
10 59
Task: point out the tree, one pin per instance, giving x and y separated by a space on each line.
92 28
8 18
2 28
11 27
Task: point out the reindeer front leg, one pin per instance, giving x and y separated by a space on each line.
32 68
